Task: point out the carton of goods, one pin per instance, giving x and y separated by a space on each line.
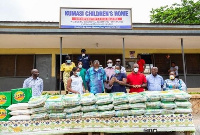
5 98
4 113
21 95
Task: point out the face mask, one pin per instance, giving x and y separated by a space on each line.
79 66
171 77
83 55
96 69
110 65
117 71
135 70
78 73
68 61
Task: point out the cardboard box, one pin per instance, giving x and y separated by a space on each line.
4 113
21 95
5 98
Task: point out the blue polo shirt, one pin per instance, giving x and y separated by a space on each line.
154 83
85 60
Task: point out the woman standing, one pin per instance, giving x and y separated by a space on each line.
75 82
82 73
65 70
118 81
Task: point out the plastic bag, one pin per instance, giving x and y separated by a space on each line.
122 107
122 113
88 99
153 96
20 117
103 98
183 104
91 115
137 106
105 107
57 115
40 116
89 108
168 105
72 109
153 111
107 113
136 97
19 106
137 112
71 100
119 98
37 101
167 96
183 110
181 95
166 111
74 115
55 103
21 112
55 111
153 105
38 110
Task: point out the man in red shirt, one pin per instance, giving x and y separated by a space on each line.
136 80
141 64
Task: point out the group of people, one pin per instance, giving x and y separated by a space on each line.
90 76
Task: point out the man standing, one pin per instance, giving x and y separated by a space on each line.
155 82
34 82
174 68
118 63
85 59
141 64
95 77
110 70
136 80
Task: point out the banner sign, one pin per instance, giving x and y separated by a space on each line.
95 18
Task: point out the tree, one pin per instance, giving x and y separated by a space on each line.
188 12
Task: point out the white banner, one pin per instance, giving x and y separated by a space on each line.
95 18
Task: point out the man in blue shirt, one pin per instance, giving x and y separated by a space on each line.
154 81
85 59
95 77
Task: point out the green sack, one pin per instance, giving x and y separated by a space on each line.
103 98
185 104
168 105
183 110
55 111
40 116
136 97
106 114
72 109
57 115
181 95
38 101
122 113
152 96
137 112
71 100
89 108
138 106
153 111
153 105
55 103
119 98
74 115
91 115
167 96
166 111
38 110
105 107
122 107
88 99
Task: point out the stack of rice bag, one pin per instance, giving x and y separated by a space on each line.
104 105
55 107
137 103
121 104
20 111
38 110
72 106
89 108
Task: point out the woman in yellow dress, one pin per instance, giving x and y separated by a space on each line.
65 70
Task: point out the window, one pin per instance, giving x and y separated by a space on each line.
16 65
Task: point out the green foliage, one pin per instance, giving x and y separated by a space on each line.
188 12
194 92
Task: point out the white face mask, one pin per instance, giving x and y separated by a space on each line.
83 55
171 77
110 65
136 70
79 66
96 69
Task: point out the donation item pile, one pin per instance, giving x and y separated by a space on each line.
88 105
5 102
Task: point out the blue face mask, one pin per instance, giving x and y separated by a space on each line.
68 61
78 73
117 71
